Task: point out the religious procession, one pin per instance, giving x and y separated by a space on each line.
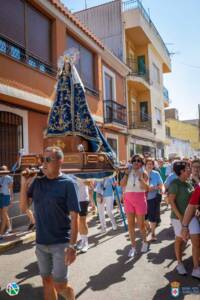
99 179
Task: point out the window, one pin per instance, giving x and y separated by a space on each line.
12 20
38 34
156 74
85 64
109 84
168 133
28 28
113 141
132 149
158 116
108 87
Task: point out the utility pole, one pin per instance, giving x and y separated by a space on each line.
85 4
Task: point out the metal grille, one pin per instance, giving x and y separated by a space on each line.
11 137
11 140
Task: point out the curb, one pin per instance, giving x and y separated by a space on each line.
29 237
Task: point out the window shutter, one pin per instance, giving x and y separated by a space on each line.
38 34
12 20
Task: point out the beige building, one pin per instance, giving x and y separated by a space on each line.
132 36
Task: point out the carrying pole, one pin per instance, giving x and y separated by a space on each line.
120 205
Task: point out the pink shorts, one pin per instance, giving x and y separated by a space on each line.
135 203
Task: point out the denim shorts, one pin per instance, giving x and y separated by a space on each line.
51 261
4 200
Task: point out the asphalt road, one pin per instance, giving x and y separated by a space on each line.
105 272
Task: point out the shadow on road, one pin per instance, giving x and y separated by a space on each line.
188 285
112 273
19 248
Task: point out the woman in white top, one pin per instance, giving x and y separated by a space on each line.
84 203
135 182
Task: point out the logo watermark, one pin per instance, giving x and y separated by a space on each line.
176 289
12 289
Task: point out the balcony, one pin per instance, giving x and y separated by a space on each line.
18 53
114 113
142 73
140 121
140 26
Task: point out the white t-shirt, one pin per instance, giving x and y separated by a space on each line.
133 183
83 192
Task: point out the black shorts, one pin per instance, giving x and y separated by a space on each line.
153 210
84 208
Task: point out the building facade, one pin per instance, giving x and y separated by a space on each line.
132 36
33 35
183 136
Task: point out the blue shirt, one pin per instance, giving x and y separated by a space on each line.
108 187
169 179
154 179
53 199
5 181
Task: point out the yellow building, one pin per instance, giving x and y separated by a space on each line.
185 131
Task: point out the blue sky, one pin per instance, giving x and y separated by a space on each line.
178 23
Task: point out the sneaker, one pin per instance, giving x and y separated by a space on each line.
144 248
132 252
8 231
103 230
85 247
114 227
31 227
79 245
181 269
196 273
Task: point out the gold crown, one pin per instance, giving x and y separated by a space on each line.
175 284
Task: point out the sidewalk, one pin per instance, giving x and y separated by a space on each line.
19 235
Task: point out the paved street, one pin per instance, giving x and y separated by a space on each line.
105 272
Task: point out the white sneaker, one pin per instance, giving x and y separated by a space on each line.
196 273
8 231
181 269
85 247
145 247
103 230
79 245
132 252
114 227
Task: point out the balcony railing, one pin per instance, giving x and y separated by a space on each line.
136 71
166 94
20 54
133 4
114 112
140 121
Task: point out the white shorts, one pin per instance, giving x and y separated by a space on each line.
194 227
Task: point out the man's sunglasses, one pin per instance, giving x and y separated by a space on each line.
136 160
47 159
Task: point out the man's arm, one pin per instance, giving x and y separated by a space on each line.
71 250
24 201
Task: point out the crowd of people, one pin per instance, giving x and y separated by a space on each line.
61 205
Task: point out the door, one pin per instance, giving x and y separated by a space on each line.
144 111
141 65
11 137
